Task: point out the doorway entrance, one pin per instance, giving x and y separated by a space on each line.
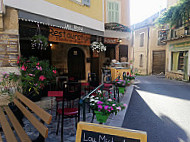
76 63
158 65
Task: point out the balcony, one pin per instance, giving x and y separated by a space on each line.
116 30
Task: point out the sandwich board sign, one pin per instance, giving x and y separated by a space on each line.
90 132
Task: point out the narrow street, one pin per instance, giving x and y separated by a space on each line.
161 107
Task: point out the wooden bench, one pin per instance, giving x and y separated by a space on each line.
11 123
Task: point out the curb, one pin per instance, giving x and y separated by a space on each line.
117 120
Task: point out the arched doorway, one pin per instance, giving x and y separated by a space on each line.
76 63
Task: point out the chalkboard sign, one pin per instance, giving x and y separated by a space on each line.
89 132
8 50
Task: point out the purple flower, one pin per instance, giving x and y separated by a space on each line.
106 107
99 102
100 106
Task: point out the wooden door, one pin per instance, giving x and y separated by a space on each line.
159 59
76 63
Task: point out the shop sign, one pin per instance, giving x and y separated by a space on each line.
90 132
110 40
8 50
70 37
180 46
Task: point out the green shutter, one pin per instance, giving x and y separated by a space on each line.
113 11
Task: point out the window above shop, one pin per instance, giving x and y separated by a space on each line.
141 39
82 2
113 11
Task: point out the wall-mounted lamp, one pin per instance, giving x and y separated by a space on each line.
50 44
119 40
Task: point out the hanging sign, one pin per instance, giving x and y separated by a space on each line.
90 132
8 50
70 37
110 40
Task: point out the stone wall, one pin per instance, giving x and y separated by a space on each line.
9 25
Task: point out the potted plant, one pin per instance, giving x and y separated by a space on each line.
130 77
10 83
35 75
121 84
104 106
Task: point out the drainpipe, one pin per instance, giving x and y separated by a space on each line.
148 50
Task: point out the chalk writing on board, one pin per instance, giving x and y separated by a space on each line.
90 136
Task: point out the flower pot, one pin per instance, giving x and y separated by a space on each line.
121 90
100 117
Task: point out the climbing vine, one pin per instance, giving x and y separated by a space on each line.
176 15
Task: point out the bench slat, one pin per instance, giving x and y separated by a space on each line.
18 128
36 123
10 137
1 138
46 117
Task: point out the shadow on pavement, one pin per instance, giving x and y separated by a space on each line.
159 129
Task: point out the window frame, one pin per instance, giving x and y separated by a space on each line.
142 33
107 11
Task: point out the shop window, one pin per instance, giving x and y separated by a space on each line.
141 61
141 39
113 12
178 61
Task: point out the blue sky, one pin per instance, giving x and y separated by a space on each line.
142 9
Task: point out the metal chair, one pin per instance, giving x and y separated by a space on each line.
70 106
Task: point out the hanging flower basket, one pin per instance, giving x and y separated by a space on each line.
39 41
98 46
121 90
100 117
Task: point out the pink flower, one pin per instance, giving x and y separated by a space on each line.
100 106
54 71
40 68
23 68
99 102
118 108
109 100
42 78
125 105
106 107
38 64
113 104
36 84
111 108
37 67
31 74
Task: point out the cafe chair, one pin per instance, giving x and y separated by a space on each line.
58 98
70 106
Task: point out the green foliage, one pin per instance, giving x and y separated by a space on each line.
107 106
176 14
39 41
35 74
10 83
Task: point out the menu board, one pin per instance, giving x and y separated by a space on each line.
8 50
89 132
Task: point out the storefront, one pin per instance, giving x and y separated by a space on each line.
68 44
179 61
